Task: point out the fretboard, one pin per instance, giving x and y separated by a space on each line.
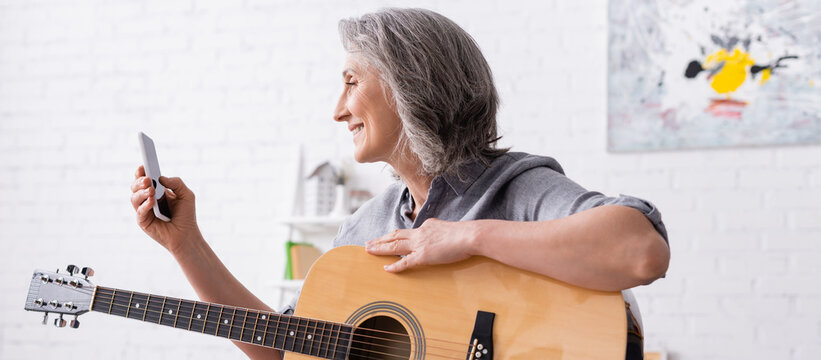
328 340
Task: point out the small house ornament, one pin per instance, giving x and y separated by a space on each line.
321 189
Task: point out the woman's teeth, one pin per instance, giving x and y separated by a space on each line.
357 129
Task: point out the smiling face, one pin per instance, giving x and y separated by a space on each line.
371 117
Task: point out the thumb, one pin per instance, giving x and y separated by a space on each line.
177 186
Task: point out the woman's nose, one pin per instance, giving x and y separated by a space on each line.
341 112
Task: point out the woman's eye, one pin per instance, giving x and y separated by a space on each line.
350 83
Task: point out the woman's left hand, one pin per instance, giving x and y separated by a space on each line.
435 242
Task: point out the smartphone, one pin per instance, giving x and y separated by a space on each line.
152 170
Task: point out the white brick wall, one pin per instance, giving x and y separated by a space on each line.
229 89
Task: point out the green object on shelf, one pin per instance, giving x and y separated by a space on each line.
289 273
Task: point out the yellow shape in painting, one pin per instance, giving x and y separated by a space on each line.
734 71
765 75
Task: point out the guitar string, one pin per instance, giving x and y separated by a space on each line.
104 289
322 342
110 292
286 316
321 336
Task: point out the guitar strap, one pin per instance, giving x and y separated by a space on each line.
635 338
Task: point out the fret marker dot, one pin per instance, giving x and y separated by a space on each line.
137 306
199 316
291 333
263 317
170 312
259 338
225 322
309 337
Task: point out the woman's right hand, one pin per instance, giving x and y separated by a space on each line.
182 229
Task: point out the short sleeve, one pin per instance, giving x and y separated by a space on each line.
288 309
542 193
647 208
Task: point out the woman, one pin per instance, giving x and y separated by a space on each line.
419 95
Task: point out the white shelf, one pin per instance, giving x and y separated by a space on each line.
315 224
292 285
317 230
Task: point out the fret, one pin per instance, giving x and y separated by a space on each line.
184 315
297 335
310 338
321 348
177 313
120 304
198 316
102 297
270 335
212 319
239 320
302 334
145 306
128 308
162 309
344 337
281 331
333 338
226 318
137 306
247 333
153 309
290 331
169 312
318 339
259 328
110 305
327 331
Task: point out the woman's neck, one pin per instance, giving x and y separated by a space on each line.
418 184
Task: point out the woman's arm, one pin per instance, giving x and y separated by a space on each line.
213 282
609 247
182 238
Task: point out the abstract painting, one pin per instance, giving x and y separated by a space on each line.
701 74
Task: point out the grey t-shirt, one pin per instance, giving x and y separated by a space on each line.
517 186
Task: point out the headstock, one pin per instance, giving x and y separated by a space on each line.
61 293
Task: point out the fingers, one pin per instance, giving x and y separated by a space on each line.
138 197
402 265
141 182
145 213
177 186
394 243
140 172
395 235
393 247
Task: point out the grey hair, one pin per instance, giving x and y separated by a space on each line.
439 80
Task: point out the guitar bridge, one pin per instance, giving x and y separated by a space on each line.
481 340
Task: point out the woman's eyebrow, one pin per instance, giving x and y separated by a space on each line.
346 71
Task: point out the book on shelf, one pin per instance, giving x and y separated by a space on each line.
299 258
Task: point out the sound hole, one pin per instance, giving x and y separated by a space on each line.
380 337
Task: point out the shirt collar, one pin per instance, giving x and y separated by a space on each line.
470 172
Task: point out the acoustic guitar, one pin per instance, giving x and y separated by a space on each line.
350 308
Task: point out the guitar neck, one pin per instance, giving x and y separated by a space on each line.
328 340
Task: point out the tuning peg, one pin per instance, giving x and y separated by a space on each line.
59 322
87 272
75 323
72 269
45 318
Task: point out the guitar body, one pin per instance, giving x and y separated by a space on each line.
436 308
